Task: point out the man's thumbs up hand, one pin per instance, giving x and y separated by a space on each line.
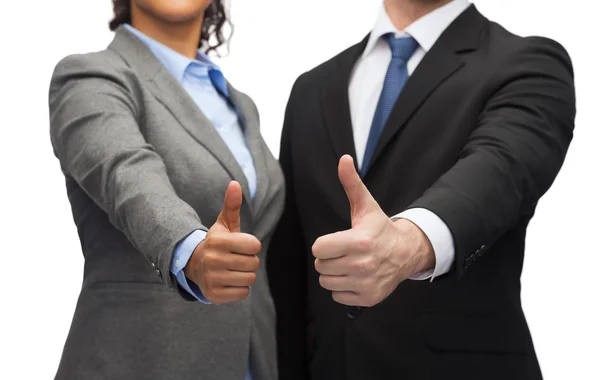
361 201
363 265
223 265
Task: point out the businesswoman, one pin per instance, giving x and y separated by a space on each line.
175 196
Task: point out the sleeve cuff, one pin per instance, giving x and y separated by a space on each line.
440 237
181 256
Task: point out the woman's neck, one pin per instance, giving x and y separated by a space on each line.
183 38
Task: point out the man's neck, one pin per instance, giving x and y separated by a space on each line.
402 13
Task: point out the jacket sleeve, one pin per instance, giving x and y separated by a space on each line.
513 154
96 136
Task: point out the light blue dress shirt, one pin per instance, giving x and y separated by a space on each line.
205 84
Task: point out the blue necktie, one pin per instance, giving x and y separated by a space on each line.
395 78
219 81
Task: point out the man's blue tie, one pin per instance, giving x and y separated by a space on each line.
395 78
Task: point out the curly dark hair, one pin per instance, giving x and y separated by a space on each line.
215 19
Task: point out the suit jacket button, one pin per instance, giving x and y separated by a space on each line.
353 312
158 273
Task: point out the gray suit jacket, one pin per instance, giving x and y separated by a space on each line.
144 168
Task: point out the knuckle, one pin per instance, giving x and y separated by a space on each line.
255 263
316 248
209 294
209 241
318 265
251 278
251 244
364 267
208 256
322 281
216 240
369 265
364 244
257 246
365 300
372 298
210 259
245 292
356 267
336 297
375 300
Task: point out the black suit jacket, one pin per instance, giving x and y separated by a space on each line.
478 134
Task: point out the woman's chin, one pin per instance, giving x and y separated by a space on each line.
175 11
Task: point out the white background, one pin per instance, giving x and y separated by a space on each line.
274 42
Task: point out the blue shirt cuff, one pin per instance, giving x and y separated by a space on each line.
181 256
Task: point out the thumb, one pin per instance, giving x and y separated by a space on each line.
361 201
230 214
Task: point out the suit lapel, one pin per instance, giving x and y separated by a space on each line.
436 66
440 63
335 104
249 120
169 92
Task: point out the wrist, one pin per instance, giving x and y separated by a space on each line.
193 265
417 245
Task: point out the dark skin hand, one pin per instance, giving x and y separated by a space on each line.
223 265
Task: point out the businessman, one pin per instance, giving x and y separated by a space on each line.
414 161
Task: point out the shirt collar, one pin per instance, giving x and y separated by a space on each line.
425 30
175 63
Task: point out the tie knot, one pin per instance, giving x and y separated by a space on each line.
218 80
402 48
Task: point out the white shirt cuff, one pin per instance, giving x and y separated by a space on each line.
440 237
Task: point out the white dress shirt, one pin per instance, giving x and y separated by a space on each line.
366 84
